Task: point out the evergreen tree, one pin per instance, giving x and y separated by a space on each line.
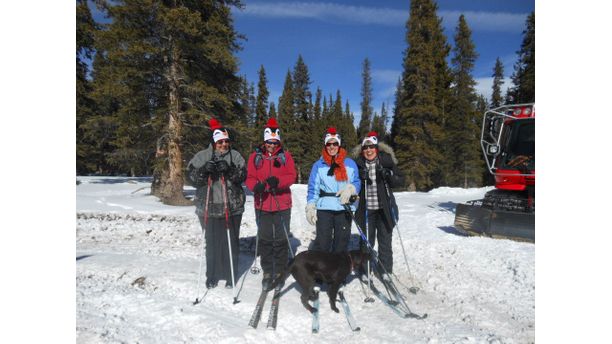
304 137
498 81
349 138
399 87
481 107
366 100
325 110
378 123
523 77
245 125
262 99
463 157
317 111
272 112
317 129
168 67
87 156
417 124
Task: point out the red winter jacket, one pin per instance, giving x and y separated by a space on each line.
279 164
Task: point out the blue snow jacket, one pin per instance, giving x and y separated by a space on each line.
319 180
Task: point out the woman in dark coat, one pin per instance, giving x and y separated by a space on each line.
207 171
378 173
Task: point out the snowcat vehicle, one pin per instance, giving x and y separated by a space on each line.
508 144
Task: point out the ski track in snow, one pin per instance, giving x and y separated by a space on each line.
137 271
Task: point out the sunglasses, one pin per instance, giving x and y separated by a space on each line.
332 144
272 142
368 147
220 142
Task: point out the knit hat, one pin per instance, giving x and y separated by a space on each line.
372 136
332 134
219 132
272 132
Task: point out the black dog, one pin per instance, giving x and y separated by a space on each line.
310 267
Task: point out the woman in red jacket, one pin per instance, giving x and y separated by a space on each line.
270 173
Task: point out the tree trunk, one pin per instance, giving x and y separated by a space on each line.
171 179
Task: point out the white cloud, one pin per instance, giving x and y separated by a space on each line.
484 86
386 75
477 20
486 21
327 11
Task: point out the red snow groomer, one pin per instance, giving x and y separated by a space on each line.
508 144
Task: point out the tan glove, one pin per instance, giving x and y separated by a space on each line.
346 193
311 213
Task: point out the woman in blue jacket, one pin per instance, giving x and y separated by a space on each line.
334 178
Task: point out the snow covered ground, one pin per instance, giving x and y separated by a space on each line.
137 266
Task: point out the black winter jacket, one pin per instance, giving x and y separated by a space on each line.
386 159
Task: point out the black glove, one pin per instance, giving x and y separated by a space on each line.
386 173
259 187
210 167
202 173
272 182
222 166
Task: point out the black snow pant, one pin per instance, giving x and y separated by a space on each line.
217 252
333 231
273 246
377 230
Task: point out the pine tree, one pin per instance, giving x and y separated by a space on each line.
498 81
316 129
523 77
349 139
481 107
366 100
167 67
87 156
378 123
272 112
395 123
262 99
244 125
417 124
463 156
304 137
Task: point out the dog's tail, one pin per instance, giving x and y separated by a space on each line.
281 279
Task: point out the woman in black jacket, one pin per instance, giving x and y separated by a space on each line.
379 175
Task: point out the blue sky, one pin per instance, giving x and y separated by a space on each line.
334 37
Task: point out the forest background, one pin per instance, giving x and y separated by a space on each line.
151 74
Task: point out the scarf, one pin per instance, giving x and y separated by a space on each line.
336 164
